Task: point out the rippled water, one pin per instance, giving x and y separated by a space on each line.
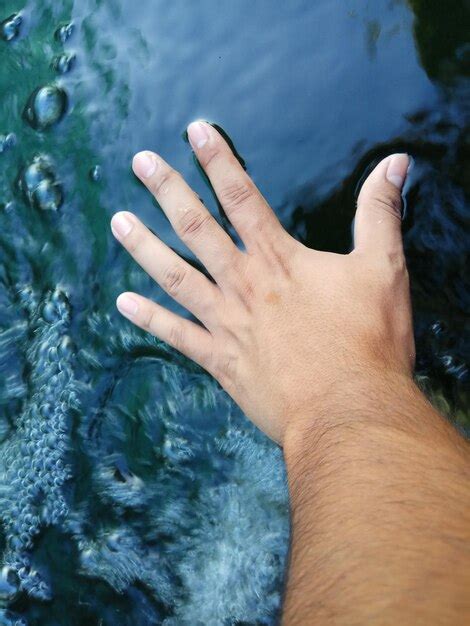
132 490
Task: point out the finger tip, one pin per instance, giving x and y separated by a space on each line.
120 298
144 163
198 133
126 304
393 168
121 224
397 169
112 223
116 216
400 157
194 124
383 163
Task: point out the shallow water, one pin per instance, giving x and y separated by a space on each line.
131 489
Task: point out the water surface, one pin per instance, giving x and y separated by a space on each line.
132 490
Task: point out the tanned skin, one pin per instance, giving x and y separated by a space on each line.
317 349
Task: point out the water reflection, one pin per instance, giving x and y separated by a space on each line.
441 31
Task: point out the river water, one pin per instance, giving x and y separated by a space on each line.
132 490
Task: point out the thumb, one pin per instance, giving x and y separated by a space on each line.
378 217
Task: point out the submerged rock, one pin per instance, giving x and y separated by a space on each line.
10 28
63 33
46 106
63 63
39 186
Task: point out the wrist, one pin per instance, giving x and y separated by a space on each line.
364 402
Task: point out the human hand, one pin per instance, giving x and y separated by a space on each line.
285 328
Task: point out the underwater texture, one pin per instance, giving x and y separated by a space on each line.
132 489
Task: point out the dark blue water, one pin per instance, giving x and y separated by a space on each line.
132 490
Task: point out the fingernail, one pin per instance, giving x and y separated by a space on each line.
198 134
144 164
398 169
121 225
127 305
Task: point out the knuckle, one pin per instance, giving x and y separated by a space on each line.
396 261
389 202
176 336
393 268
164 180
148 323
225 370
246 293
231 264
281 259
133 241
208 155
192 222
173 279
235 194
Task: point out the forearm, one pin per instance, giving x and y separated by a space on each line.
380 511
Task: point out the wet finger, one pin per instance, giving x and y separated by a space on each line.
185 336
178 278
190 219
250 214
377 225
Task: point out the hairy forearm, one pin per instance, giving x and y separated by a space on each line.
380 501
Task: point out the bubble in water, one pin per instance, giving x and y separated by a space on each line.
454 368
10 28
47 196
39 186
7 618
50 313
438 328
59 298
9 584
63 63
34 173
46 106
66 348
95 173
56 306
63 33
113 542
8 207
7 141
4 433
